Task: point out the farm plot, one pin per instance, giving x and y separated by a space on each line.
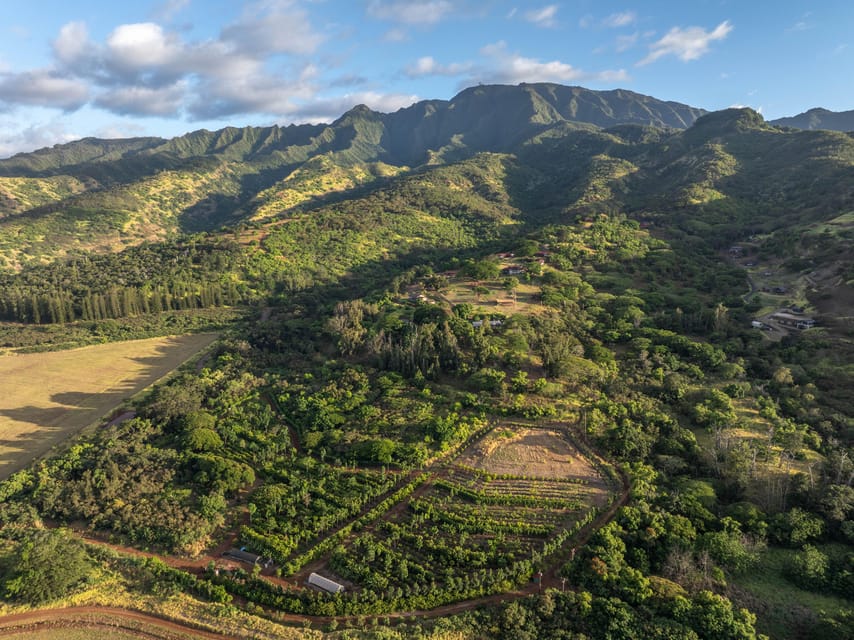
471 532
46 397
300 504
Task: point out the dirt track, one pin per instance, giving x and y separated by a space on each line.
77 616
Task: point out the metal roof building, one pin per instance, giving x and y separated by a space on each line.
330 586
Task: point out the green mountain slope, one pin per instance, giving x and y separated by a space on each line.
105 195
819 118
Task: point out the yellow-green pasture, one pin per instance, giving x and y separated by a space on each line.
47 397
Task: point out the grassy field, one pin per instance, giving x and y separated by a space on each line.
47 397
785 612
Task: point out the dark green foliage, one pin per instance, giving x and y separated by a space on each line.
45 566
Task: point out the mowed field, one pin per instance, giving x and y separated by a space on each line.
46 397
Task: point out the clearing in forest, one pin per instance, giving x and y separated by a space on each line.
47 397
533 453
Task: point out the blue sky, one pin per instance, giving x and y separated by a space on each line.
164 67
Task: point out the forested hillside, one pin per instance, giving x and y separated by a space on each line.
537 357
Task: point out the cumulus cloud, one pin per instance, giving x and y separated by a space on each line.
72 44
410 12
686 44
543 17
505 67
427 66
146 101
242 88
43 88
255 65
278 27
142 45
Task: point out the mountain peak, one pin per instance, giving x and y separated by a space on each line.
819 118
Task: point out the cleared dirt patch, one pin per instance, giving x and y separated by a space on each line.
530 453
46 397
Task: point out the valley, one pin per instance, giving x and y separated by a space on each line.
496 375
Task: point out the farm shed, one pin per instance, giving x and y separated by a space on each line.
244 556
330 586
798 321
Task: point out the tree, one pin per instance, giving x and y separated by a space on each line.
46 567
481 270
808 568
795 527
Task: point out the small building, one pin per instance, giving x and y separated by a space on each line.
793 320
242 555
330 586
513 270
756 324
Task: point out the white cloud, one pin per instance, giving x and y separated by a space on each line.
142 45
543 17
144 101
803 24
622 19
412 12
686 44
43 88
427 66
273 27
511 68
255 65
72 43
168 9
745 106
33 137
325 109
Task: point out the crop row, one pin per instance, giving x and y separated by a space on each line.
506 497
489 476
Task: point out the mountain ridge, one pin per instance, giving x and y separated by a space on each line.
471 118
819 118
